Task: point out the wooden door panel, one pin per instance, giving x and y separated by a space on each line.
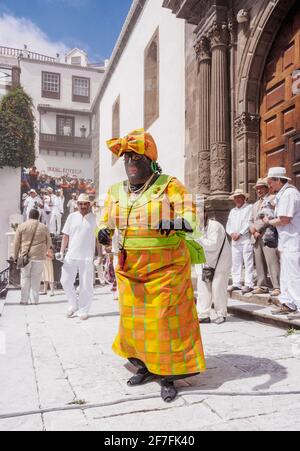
280 107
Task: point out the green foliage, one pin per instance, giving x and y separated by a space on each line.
17 130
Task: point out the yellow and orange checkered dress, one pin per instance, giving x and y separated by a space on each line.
158 317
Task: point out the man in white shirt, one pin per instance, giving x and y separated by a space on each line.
56 213
48 206
32 202
267 259
288 225
238 227
79 237
72 204
218 256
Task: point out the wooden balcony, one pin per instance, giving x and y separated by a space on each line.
70 144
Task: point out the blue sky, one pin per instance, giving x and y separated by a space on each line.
93 25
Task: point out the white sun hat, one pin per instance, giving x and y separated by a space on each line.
239 192
278 173
84 198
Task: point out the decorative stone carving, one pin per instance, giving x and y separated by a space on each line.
202 48
243 16
246 123
220 167
219 34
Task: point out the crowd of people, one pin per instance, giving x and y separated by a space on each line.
53 197
159 324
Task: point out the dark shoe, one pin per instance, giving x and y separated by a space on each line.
220 320
142 377
247 290
168 391
283 310
232 289
204 320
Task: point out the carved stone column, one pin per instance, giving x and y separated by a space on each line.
220 115
202 49
247 139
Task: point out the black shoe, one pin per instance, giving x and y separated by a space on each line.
168 391
142 377
247 290
204 320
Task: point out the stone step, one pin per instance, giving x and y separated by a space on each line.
261 299
260 313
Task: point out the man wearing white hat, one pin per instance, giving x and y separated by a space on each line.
266 258
32 202
287 223
56 213
238 227
80 239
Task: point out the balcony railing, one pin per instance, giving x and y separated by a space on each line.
65 143
17 53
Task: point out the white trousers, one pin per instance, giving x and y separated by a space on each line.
86 284
31 277
46 219
213 293
242 254
55 224
290 279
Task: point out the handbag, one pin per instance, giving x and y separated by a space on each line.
24 260
271 237
208 273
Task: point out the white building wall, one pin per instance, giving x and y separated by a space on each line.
31 80
10 205
59 165
128 82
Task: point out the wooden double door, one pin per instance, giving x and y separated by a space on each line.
280 101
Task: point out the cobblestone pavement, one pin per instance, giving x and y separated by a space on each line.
60 374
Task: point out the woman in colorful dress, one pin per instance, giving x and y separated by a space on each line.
159 329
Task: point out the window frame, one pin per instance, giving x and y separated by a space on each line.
76 97
116 128
61 116
148 121
51 94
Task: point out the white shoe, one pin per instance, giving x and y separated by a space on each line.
83 317
70 313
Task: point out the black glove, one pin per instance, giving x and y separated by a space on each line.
104 237
166 227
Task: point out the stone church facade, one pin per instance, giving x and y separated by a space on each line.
242 109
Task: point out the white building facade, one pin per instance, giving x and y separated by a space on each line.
144 86
63 95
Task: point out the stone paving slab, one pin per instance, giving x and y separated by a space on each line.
53 364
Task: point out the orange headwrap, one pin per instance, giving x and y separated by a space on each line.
138 141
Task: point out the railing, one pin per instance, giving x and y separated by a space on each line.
65 143
4 281
17 53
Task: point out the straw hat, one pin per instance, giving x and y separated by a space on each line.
239 192
278 173
261 182
84 198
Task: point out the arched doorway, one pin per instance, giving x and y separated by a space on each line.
280 101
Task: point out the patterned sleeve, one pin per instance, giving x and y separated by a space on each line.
106 221
183 203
